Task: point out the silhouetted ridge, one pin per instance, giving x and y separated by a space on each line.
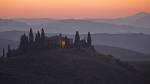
58 60
39 41
66 66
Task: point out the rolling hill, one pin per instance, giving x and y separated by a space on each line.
71 25
4 44
67 66
33 21
122 54
9 24
135 42
137 23
141 19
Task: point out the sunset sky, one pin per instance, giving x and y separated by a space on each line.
60 9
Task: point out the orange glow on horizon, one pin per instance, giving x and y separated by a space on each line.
59 9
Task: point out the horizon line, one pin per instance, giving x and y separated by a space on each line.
48 18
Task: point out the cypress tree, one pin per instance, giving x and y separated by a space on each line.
3 53
31 39
43 38
89 41
66 42
42 34
77 40
24 43
37 40
21 43
8 51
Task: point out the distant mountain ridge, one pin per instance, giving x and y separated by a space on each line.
10 24
33 21
69 26
140 15
141 19
138 23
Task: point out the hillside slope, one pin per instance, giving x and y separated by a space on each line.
66 66
122 54
8 25
4 44
135 42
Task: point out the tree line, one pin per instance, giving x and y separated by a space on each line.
31 42
82 43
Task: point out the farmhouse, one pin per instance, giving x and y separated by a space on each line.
60 41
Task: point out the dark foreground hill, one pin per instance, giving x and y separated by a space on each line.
67 66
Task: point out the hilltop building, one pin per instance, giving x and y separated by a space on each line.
59 41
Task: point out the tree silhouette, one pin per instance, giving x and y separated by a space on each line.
66 42
37 40
28 43
24 43
77 40
8 51
42 34
89 41
43 38
3 53
31 39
